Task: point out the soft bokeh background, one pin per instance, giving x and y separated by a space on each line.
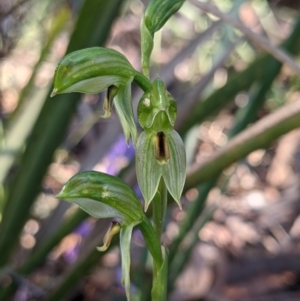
237 237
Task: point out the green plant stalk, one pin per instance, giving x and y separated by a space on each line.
191 215
142 81
37 257
248 114
187 246
243 117
159 208
50 128
260 135
141 277
90 260
153 243
257 71
14 122
77 272
58 25
40 254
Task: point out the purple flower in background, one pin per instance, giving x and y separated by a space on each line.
83 230
119 155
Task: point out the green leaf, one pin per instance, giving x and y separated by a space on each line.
159 289
102 195
92 70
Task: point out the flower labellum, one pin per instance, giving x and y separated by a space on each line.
161 148
114 228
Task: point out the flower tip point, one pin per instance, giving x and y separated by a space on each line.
106 114
146 206
60 195
103 248
54 92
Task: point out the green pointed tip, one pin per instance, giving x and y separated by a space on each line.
106 114
60 195
179 205
114 228
146 206
54 92
102 249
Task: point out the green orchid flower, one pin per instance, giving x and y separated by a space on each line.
160 151
105 196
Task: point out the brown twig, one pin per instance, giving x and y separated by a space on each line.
260 135
260 41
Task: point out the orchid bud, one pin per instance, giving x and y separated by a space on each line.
156 15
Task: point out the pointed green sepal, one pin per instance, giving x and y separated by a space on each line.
123 105
154 161
91 71
103 196
174 173
148 171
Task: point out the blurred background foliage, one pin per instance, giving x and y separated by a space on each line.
233 67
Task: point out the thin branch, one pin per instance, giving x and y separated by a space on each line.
3 14
260 41
258 136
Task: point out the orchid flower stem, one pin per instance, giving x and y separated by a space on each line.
159 211
159 208
153 243
142 81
